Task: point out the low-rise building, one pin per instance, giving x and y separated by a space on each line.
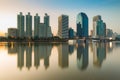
12 32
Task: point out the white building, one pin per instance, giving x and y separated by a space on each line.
63 24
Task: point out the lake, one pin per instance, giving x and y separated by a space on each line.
60 61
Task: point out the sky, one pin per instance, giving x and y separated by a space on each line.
108 9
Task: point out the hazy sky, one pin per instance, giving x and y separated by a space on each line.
108 9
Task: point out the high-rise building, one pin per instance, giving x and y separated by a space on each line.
36 25
46 20
20 25
99 27
95 19
28 26
82 25
104 24
42 30
79 30
63 24
49 32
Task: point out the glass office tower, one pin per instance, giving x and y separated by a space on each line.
82 25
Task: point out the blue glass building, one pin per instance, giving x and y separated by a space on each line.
71 33
82 25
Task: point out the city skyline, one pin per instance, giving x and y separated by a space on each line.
109 13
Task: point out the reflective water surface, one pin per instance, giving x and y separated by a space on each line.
60 61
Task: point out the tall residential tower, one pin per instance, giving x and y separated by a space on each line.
20 25
36 26
46 20
28 26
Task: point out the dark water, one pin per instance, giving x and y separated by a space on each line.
60 61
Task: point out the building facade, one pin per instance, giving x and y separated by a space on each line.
49 32
99 27
46 20
71 33
95 19
63 24
42 30
28 26
12 33
109 33
20 25
82 25
36 26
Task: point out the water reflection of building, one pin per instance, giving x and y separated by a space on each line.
82 56
117 44
99 54
42 51
12 49
71 49
28 56
20 58
109 47
63 55
36 56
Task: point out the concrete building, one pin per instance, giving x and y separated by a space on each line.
28 26
82 25
12 32
49 32
42 30
36 26
20 25
46 20
63 24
